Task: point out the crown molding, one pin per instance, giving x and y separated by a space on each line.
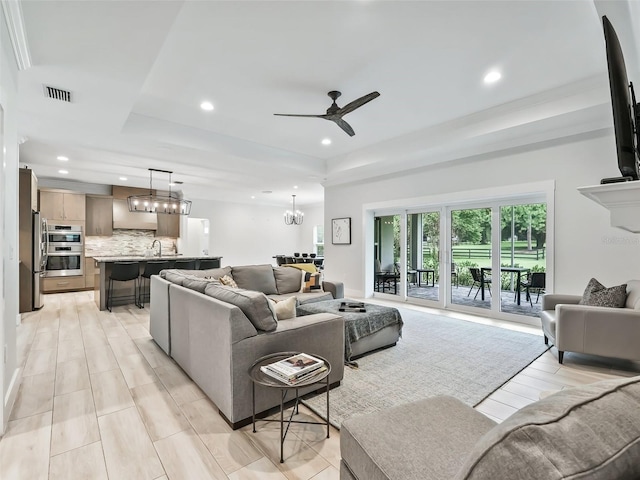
13 15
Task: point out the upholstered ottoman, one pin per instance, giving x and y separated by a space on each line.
365 332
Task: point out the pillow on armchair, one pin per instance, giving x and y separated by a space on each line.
597 295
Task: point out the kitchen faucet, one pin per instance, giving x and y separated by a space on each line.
159 244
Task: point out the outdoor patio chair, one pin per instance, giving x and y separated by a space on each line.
535 281
454 273
477 279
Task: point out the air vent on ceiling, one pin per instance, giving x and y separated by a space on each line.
57 94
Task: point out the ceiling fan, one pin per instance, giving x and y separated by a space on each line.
335 113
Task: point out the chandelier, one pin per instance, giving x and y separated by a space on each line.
169 204
293 217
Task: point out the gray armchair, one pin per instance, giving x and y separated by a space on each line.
610 332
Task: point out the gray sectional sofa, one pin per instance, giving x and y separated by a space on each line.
215 332
589 432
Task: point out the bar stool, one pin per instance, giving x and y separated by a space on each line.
207 264
123 272
151 268
185 264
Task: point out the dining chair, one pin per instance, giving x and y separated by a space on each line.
477 279
454 273
536 281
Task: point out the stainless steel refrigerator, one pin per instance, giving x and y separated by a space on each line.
39 258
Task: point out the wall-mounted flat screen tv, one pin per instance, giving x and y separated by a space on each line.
626 112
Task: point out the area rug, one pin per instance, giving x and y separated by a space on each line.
436 356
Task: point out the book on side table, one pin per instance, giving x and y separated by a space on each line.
295 369
352 307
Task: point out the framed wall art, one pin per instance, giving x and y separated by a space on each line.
341 231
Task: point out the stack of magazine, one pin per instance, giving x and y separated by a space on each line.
295 369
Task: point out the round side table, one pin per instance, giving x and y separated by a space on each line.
260 378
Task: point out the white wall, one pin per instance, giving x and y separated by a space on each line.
585 244
245 234
8 224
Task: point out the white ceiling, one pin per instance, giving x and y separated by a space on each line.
138 71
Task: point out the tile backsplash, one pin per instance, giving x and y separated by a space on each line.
127 243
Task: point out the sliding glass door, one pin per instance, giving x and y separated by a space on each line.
387 255
423 256
476 256
471 253
522 257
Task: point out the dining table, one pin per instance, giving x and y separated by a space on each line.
517 270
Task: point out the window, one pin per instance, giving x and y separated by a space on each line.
318 240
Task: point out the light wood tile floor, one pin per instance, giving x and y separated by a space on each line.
100 400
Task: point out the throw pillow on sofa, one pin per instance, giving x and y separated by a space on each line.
597 295
254 305
228 281
311 283
285 309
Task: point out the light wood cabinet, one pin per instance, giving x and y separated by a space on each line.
62 206
99 216
63 284
90 271
168 225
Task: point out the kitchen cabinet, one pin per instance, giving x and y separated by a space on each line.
99 211
168 225
56 206
90 271
63 284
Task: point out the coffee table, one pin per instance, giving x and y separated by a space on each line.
260 378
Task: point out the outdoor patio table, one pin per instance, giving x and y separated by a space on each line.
430 272
517 270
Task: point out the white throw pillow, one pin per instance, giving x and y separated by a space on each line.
285 309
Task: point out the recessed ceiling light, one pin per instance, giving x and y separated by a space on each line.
253 197
172 184
326 141
295 186
64 172
492 77
208 106
62 158
124 179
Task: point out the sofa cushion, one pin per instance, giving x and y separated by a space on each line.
254 305
304 297
198 284
285 309
255 277
597 295
216 272
427 439
287 279
589 432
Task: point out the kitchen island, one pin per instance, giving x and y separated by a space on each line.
126 289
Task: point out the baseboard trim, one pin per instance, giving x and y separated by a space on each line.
10 398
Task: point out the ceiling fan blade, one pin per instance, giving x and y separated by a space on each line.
344 126
295 115
350 107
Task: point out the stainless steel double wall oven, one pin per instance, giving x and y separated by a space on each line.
65 250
